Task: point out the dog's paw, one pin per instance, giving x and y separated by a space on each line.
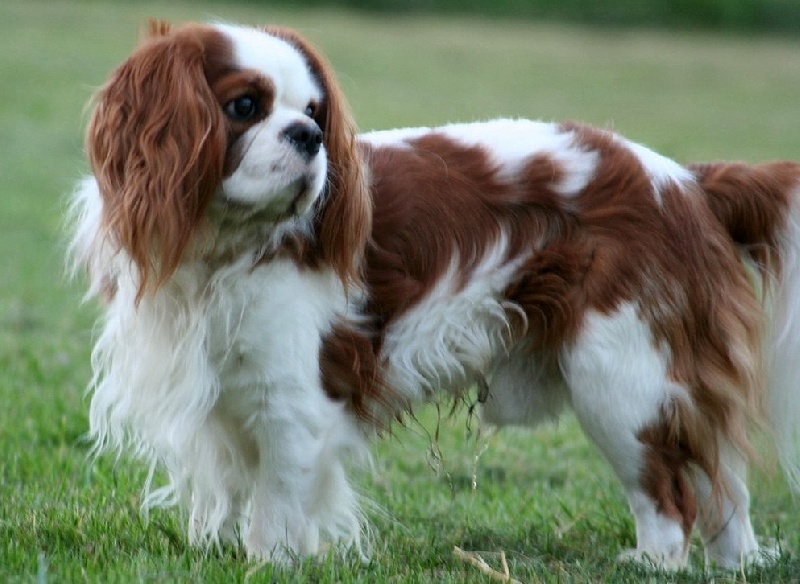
654 560
763 556
766 555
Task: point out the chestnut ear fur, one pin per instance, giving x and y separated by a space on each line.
156 145
345 220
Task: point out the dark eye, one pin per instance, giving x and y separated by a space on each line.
242 108
311 109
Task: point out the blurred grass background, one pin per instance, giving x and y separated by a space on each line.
543 497
728 15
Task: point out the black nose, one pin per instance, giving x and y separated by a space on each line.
305 137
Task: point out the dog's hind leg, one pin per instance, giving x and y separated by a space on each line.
622 396
724 522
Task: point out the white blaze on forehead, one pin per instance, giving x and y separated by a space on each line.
277 60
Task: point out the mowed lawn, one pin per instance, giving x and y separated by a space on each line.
545 499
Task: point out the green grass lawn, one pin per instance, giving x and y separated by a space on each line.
544 498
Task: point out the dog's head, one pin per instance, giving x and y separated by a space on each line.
206 125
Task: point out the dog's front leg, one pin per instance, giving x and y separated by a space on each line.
301 499
299 496
289 446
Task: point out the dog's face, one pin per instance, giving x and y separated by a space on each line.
275 162
217 125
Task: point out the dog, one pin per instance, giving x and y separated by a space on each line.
279 289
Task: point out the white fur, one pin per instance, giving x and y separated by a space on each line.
453 334
89 247
618 379
660 540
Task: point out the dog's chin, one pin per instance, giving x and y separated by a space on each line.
291 202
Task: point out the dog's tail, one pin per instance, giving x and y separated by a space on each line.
759 205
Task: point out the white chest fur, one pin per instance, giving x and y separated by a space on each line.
217 377
267 323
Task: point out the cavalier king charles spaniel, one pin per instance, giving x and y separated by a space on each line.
278 289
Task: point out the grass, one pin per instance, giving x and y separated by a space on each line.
542 497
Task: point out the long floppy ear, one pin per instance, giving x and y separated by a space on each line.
345 221
156 144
